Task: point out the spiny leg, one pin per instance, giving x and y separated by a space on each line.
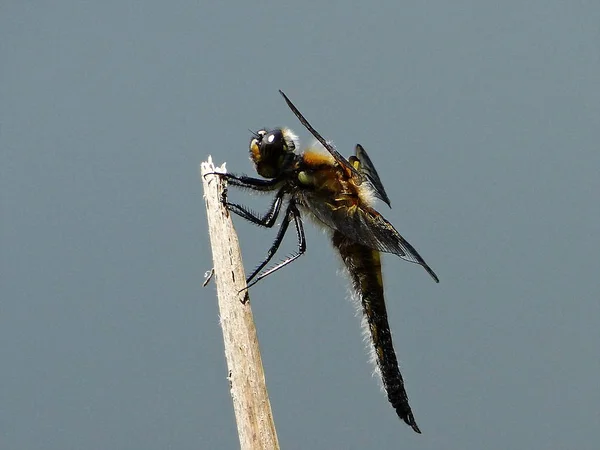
256 184
291 213
267 219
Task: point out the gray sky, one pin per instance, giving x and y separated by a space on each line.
482 119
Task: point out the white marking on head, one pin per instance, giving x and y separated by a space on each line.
271 138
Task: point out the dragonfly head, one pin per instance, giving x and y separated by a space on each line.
271 151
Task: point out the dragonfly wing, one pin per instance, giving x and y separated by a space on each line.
365 226
342 162
368 169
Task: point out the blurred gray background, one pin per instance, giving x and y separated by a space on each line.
482 118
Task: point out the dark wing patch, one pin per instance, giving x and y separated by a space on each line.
365 226
368 169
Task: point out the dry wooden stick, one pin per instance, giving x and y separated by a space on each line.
251 404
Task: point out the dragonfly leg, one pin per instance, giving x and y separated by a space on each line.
292 213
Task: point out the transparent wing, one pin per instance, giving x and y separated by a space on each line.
368 169
365 226
342 162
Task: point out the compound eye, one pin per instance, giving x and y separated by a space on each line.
273 141
275 137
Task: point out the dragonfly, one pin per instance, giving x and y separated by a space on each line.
339 195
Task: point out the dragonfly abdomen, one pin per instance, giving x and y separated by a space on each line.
364 267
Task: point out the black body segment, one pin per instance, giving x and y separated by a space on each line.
364 267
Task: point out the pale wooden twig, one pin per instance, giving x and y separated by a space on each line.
251 404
